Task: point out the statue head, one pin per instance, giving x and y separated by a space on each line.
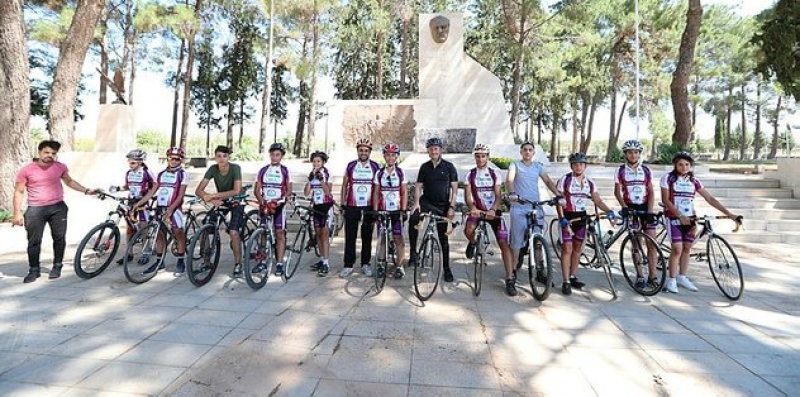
440 29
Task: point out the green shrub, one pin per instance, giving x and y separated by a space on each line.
5 216
617 156
84 145
501 162
152 141
666 152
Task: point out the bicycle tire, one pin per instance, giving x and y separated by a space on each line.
257 252
294 253
633 256
479 261
141 250
725 267
380 262
252 220
428 271
555 237
104 240
591 239
540 268
205 247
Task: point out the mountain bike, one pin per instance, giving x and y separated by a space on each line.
538 259
142 248
259 252
385 251
98 248
481 237
294 252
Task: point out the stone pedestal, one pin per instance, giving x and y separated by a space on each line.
455 140
115 129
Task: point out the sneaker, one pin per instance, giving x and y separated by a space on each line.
55 272
448 275
566 289
399 273
323 270
671 286
640 283
684 282
33 274
180 268
259 268
379 271
316 266
279 269
237 270
366 270
346 272
653 282
121 261
413 260
575 283
159 265
470 250
511 288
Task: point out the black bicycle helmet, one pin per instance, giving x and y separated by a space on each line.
277 146
683 155
433 142
319 154
577 158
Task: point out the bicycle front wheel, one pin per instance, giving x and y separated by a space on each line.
140 255
204 254
725 267
258 258
644 277
478 262
380 263
429 269
251 221
294 253
540 268
555 237
96 250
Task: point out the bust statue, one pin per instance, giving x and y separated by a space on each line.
440 29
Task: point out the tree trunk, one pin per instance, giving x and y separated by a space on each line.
680 78
241 122
539 125
757 138
612 115
585 99
101 44
728 121
619 122
743 132
229 125
312 92
589 127
574 146
15 101
773 147
134 54
266 99
187 81
554 136
301 120
176 97
404 33
695 92
515 89
71 54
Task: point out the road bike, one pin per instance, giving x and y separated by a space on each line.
481 237
538 259
385 256
294 252
428 270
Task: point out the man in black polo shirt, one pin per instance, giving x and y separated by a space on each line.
439 180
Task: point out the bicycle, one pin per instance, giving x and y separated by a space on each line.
385 250
259 252
142 246
204 246
540 267
102 241
294 253
481 251
722 259
428 270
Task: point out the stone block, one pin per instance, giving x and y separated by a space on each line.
456 140
115 129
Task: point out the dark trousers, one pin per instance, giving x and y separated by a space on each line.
413 233
352 217
36 218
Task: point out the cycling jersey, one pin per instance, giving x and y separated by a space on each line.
360 177
681 192
169 183
634 183
390 188
139 182
577 194
274 181
317 194
482 183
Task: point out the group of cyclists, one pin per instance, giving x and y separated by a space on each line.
368 188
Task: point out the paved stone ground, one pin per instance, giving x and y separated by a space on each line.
331 336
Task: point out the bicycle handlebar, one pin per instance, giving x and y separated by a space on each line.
513 197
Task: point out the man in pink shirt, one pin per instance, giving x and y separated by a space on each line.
42 181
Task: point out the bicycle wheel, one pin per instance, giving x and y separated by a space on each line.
332 223
251 221
635 263
96 250
479 261
601 258
664 242
141 254
205 247
257 259
429 269
540 268
725 267
380 263
555 237
294 253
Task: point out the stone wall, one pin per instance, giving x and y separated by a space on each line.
788 175
455 140
380 122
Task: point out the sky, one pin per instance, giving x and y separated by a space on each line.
153 101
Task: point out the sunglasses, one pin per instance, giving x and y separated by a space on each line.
174 159
133 162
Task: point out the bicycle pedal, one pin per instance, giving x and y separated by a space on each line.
490 253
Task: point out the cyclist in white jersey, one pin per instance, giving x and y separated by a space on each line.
273 185
357 198
319 186
391 194
138 181
482 196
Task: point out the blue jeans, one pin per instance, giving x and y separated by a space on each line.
35 219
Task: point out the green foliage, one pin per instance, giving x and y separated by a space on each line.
152 141
248 151
780 33
83 145
501 162
617 156
5 216
666 152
